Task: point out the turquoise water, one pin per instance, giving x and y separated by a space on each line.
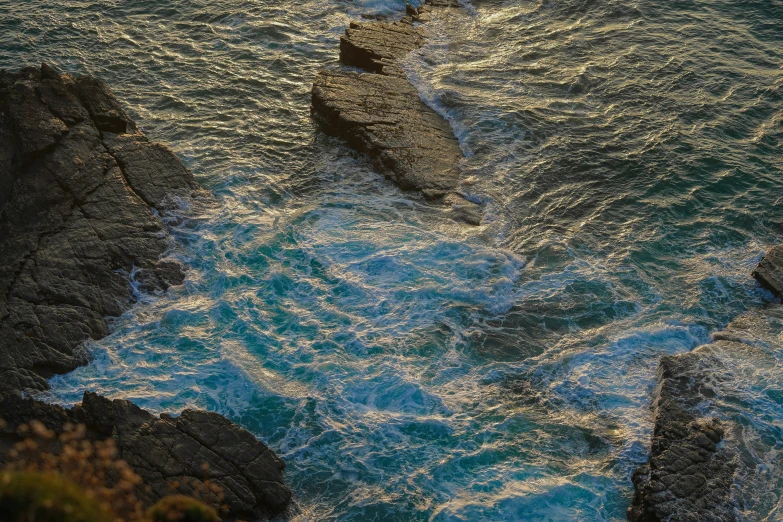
407 367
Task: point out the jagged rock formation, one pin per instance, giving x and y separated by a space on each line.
79 183
170 454
693 458
81 195
381 114
690 472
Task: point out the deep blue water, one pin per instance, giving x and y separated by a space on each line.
407 367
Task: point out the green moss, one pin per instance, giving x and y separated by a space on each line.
179 508
46 497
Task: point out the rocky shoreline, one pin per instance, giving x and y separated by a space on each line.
695 455
83 196
379 112
81 206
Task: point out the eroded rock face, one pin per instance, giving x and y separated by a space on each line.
381 114
169 453
78 185
691 470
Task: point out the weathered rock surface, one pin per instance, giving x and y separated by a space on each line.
81 192
376 46
769 273
170 454
381 114
690 472
78 186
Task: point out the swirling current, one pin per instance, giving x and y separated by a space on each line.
407 367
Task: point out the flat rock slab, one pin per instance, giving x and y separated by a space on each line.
79 187
381 114
376 46
171 454
384 117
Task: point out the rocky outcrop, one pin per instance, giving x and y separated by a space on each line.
381 114
691 470
80 187
82 192
694 459
170 454
769 273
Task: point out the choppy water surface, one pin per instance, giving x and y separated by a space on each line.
407 367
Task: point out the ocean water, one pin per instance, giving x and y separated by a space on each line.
407 367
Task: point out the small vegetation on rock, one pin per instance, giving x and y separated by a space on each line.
46 497
70 478
179 508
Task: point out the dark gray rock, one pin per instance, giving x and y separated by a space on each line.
381 114
169 453
691 470
384 117
78 185
770 271
693 461
81 195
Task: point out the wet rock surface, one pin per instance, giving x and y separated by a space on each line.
171 454
699 460
381 114
691 469
80 187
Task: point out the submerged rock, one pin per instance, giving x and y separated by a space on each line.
81 186
171 454
381 114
